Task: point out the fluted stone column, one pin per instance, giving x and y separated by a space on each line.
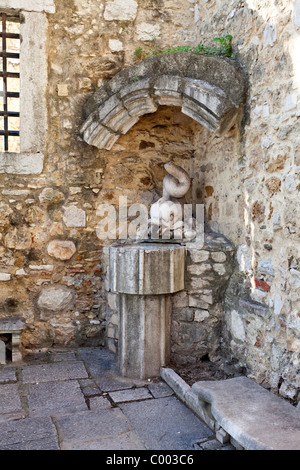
145 276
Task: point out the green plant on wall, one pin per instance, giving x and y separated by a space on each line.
224 48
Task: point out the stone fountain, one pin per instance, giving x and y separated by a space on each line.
145 275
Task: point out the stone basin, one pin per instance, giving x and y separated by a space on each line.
146 268
144 276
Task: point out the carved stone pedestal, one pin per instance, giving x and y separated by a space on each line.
144 276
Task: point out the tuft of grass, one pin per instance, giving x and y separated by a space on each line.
224 48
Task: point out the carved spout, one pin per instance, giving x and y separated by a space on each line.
176 183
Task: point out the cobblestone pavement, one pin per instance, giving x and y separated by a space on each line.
75 400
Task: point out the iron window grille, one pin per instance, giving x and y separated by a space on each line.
10 86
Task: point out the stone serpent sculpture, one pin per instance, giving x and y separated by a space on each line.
177 182
167 213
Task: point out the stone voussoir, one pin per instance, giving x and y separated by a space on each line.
188 80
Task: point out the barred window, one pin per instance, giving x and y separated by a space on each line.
9 83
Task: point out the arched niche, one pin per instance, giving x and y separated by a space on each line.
209 89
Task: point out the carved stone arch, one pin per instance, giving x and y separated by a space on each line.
209 89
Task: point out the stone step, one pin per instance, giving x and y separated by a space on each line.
254 417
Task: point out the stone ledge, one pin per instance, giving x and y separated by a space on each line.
241 411
253 416
47 6
11 324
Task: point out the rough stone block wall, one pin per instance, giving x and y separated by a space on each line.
250 186
197 312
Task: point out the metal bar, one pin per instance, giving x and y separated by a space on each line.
10 113
4 75
4 68
10 94
9 55
10 35
6 133
10 74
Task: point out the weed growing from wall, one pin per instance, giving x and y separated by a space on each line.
224 48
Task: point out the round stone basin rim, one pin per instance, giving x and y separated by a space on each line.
146 269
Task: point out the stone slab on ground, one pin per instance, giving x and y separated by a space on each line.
52 402
213 444
54 371
111 382
98 361
256 418
10 399
160 390
7 375
132 394
53 398
165 424
68 356
28 434
125 441
99 403
91 429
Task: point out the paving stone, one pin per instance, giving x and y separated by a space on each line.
160 390
98 361
125 441
28 434
10 399
162 422
86 383
53 398
112 383
88 427
99 403
212 444
229 447
54 371
165 424
91 391
47 443
7 375
65 356
132 394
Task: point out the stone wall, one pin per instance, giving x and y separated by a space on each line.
50 255
197 312
250 187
